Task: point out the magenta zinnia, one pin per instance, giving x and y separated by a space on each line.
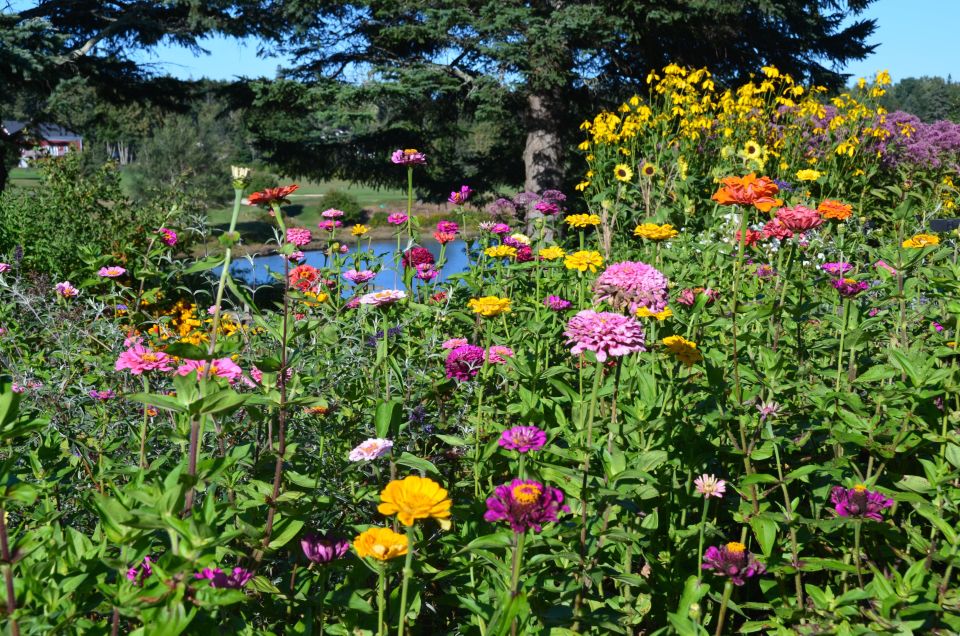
464 362
525 505
323 548
604 333
139 359
408 157
523 439
859 502
732 560
849 287
630 285
799 219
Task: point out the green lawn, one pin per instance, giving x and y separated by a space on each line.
24 176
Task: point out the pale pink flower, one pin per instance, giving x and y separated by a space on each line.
299 236
604 333
332 213
113 271
710 486
383 298
453 343
4 267
498 354
371 449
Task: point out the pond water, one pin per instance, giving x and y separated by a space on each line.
258 272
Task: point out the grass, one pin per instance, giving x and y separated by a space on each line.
24 177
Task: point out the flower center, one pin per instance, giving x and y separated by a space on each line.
736 547
149 357
526 494
850 281
410 151
860 488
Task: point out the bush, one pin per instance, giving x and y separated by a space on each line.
353 212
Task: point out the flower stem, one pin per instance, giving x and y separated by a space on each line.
519 539
727 591
703 528
409 202
381 601
407 573
856 551
143 427
843 333
737 265
584 496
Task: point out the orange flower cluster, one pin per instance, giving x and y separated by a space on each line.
749 190
830 209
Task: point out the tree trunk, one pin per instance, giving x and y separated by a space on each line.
542 155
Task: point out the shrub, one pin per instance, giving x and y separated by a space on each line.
353 212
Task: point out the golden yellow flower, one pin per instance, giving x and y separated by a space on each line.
382 544
685 350
551 253
583 185
413 498
582 220
654 232
315 298
584 260
489 306
622 172
359 229
809 175
648 170
752 150
922 240
501 251
643 312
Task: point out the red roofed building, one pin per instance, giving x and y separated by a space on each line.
41 140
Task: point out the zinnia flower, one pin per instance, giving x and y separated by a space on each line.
139 359
299 236
329 225
303 277
66 290
859 502
223 368
710 486
444 237
604 333
775 228
830 209
272 196
921 240
500 228
836 269
643 312
359 229
748 190
498 354
685 350
417 256
413 498
371 449
464 362
581 221
654 232
551 253
583 260
630 285
359 277
168 236
808 175
849 287
799 219
332 213
556 303
525 505
489 306
383 298
408 157
381 544
426 272
622 172
113 271
732 560
397 218
323 548
523 439
500 251
518 237
453 343
218 578
459 197
102 395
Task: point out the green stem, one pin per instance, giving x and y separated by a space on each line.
584 493
703 528
856 551
409 202
143 427
737 391
727 591
519 539
407 573
381 600
843 333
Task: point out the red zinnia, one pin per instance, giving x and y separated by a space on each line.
417 256
272 195
303 277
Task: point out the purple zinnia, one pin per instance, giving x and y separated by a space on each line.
323 548
463 362
604 333
523 439
631 285
448 227
359 277
859 502
408 157
102 395
836 269
500 228
525 505
459 197
849 287
218 578
733 560
556 303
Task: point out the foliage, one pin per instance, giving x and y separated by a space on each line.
353 212
929 98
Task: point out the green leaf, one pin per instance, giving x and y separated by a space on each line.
225 400
287 531
160 401
388 416
411 461
765 530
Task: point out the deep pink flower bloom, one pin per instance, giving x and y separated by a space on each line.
799 219
408 157
464 362
776 229
114 271
359 277
524 254
223 368
323 548
525 505
836 269
397 218
631 285
523 439
417 256
547 208
332 213
604 333
353 303
137 574
732 560
459 197
556 303
500 228
848 287
498 354
765 271
448 227
103 396
4 267
218 578
859 502
329 225
139 359
168 236
882 265
299 236
425 271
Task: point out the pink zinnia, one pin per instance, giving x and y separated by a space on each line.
66 290
732 560
332 213
459 197
408 157
464 362
556 303
139 359
849 287
525 505
113 271
169 236
425 271
220 579
453 343
523 439
417 256
329 225
299 236
221 368
4 267
630 285
500 228
710 486
604 333
383 298
859 502
799 219
836 269
448 227
776 229
498 354
397 218
359 277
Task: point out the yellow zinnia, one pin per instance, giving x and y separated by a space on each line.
643 312
582 220
654 232
583 260
489 306
685 350
359 229
622 172
382 544
413 498
922 240
809 175
501 251
551 253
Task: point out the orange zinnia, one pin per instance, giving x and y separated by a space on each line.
749 190
830 209
272 195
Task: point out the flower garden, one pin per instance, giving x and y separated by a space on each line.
715 390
